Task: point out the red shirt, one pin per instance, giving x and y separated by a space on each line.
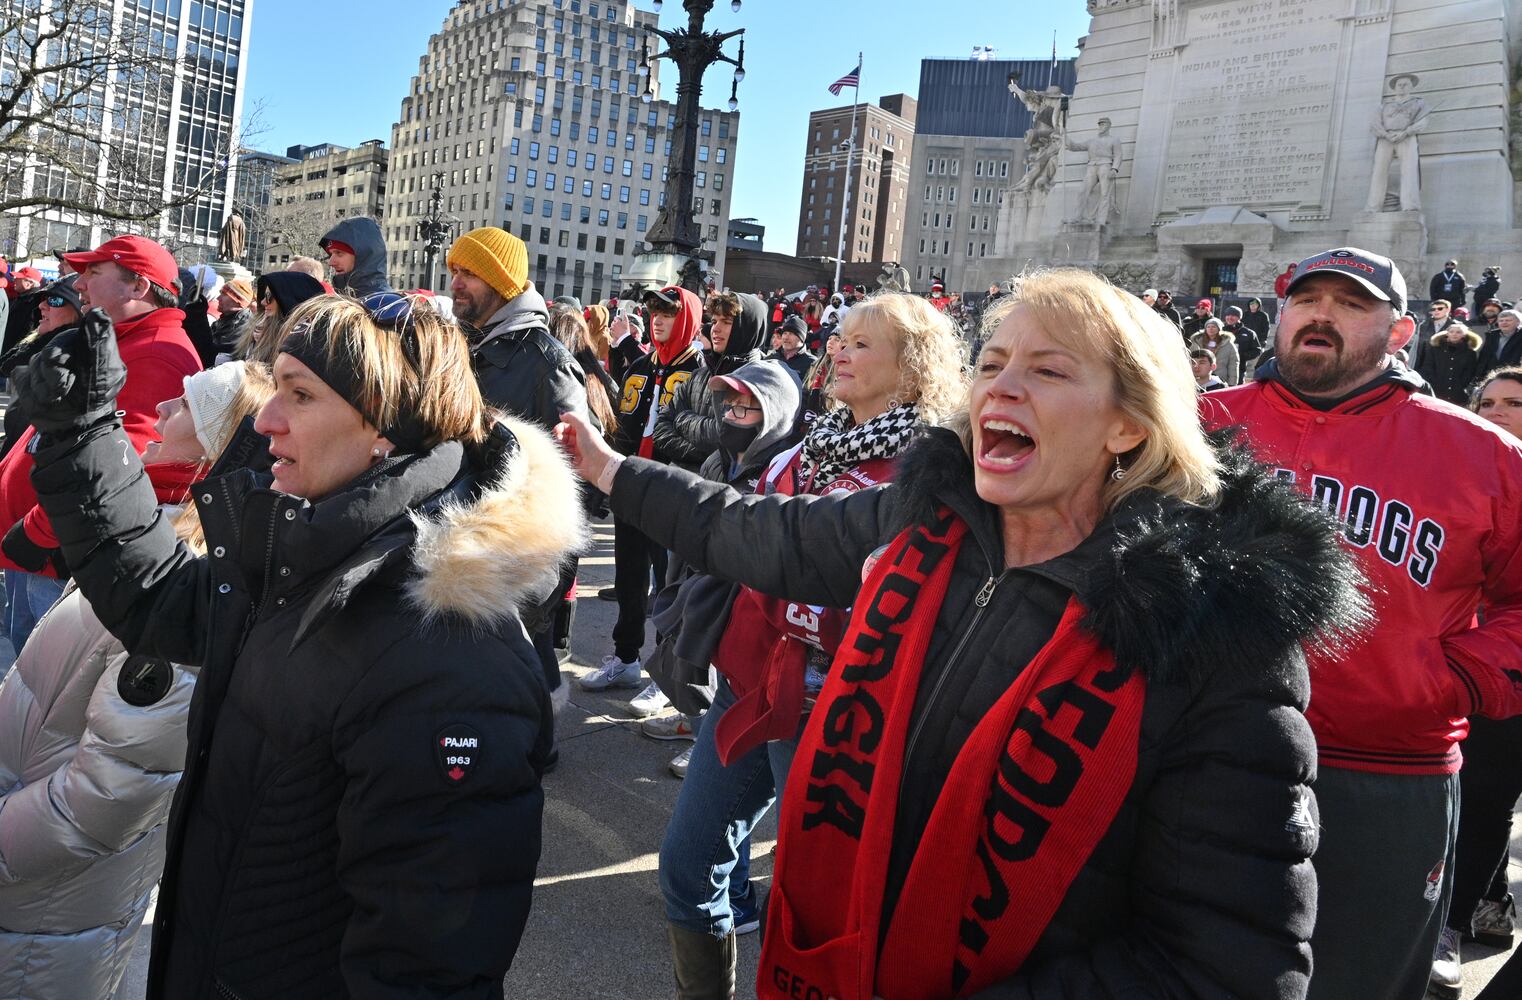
158 356
1431 500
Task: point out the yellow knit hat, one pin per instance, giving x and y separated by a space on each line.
495 256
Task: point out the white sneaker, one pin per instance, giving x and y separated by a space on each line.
1447 978
679 763
614 673
648 701
669 727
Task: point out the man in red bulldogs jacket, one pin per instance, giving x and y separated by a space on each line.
1438 530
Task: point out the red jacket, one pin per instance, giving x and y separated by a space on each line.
158 356
1432 499
1281 283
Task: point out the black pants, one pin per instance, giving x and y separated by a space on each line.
541 627
1507 984
634 556
1490 782
1383 874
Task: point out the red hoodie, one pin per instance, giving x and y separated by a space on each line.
158 356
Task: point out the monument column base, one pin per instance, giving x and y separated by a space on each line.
232 270
1078 243
1401 236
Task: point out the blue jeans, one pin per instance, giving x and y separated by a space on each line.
28 596
715 812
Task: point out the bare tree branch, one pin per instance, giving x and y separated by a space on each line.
57 60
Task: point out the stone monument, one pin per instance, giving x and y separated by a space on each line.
1228 137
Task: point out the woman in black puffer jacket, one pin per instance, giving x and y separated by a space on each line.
359 814
1061 751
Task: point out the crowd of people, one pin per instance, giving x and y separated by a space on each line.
1087 649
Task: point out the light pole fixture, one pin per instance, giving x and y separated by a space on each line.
675 234
435 228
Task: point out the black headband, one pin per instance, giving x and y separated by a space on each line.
308 343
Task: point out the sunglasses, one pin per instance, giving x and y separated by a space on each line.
58 301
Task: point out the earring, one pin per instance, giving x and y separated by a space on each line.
1117 473
376 452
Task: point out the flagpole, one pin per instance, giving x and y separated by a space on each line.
847 210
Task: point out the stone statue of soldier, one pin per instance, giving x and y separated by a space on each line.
1099 180
1395 127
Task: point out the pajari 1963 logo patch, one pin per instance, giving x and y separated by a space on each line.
458 749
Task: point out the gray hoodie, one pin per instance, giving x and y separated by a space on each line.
363 234
776 390
693 612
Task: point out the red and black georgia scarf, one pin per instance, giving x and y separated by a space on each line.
1033 790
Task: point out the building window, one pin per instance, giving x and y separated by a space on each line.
533 151
702 178
639 223
623 193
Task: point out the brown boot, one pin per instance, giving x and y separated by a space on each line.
704 965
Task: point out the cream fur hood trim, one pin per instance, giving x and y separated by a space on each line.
484 561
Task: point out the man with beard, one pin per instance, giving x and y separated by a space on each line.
1390 707
520 367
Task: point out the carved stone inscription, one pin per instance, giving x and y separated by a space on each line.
1253 104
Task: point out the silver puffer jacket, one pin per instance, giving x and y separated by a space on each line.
92 742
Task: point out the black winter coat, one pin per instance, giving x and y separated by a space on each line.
1452 368
1488 288
1493 355
25 313
1448 286
687 430
638 395
523 369
325 842
1203 885
1169 313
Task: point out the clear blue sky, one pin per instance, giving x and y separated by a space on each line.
336 70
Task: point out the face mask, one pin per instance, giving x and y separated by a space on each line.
734 439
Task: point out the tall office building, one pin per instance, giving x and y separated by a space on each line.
528 113
317 188
253 193
969 149
159 136
869 185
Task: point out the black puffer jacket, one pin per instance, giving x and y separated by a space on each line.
325 841
523 369
1202 887
687 429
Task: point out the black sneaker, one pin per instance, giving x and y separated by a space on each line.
607 594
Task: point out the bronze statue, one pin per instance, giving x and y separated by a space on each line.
234 238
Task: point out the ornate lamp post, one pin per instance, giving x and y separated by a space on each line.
435 229
676 243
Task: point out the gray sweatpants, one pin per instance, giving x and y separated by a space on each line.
1384 871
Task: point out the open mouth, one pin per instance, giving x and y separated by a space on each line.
1319 341
1005 445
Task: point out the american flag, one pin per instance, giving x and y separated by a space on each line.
851 79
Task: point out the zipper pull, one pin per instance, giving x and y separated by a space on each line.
987 593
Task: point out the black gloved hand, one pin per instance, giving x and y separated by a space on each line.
21 550
74 380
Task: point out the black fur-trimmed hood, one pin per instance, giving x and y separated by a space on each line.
1184 591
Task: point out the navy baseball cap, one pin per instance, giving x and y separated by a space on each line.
1378 275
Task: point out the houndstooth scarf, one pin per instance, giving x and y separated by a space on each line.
834 444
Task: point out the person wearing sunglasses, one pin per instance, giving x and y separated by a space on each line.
59 306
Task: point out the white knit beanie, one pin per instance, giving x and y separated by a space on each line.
210 395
